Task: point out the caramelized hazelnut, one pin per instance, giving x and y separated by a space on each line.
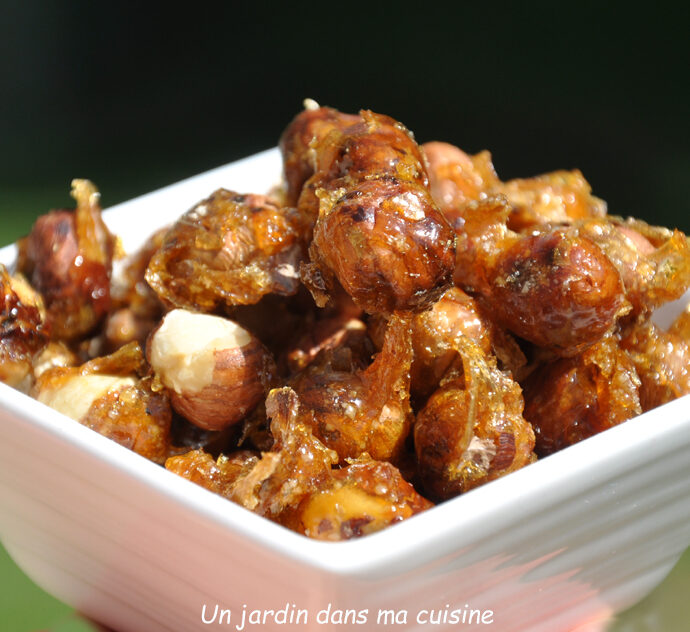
215 370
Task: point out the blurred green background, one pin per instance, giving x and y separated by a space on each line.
136 96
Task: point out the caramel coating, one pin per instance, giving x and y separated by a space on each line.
386 244
376 145
230 249
457 178
295 484
67 257
681 326
471 429
571 399
220 475
298 141
557 291
363 497
130 412
23 333
434 335
275 484
355 410
557 197
379 232
555 288
653 262
560 196
662 360
297 465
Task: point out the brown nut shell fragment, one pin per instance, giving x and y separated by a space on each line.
355 410
108 396
67 257
363 497
574 398
230 249
387 244
662 360
216 371
471 429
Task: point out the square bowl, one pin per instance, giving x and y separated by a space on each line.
563 543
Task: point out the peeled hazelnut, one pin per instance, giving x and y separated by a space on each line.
216 371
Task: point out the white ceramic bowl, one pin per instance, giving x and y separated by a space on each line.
561 544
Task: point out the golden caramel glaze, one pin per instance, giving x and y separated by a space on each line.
571 399
217 475
556 288
681 326
557 291
653 262
298 141
363 497
471 429
457 178
557 197
298 464
109 396
355 410
295 484
662 360
67 257
376 146
23 332
436 330
230 249
379 233
387 245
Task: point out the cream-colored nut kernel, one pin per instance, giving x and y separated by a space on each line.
215 370
54 354
75 395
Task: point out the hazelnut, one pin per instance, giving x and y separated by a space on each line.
73 394
216 371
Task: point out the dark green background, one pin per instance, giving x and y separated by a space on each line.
135 97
